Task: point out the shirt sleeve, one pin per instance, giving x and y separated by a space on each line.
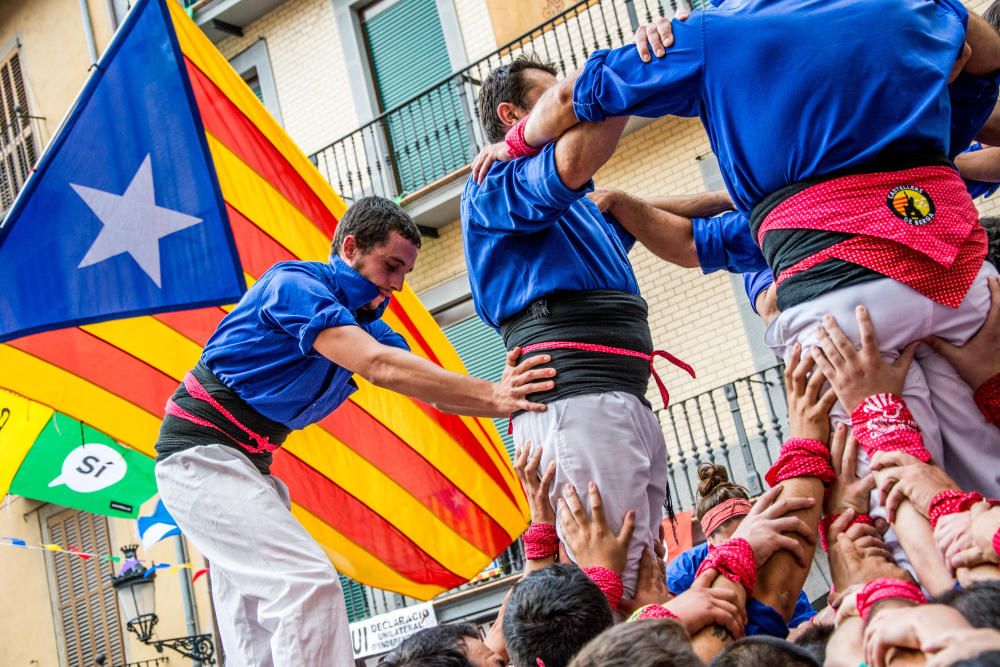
301 306
524 194
755 283
627 240
803 611
681 571
617 83
384 334
725 242
972 101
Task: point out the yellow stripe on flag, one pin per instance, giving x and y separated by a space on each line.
52 386
151 341
339 463
21 421
197 47
424 435
357 563
263 205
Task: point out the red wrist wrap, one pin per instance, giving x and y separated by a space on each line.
951 501
987 397
801 457
883 423
735 561
610 583
652 611
827 521
540 541
516 144
996 542
877 590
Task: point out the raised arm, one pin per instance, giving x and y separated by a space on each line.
670 237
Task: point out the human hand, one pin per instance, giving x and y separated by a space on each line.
535 488
591 540
605 198
953 535
902 477
979 359
953 646
985 521
857 554
490 154
908 628
767 528
651 587
856 374
702 606
658 36
847 490
519 380
808 411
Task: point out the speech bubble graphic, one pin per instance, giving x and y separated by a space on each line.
91 467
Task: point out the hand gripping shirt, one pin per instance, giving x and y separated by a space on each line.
263 350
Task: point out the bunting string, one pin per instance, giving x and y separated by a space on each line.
126 563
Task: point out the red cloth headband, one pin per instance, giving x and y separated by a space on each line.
723 512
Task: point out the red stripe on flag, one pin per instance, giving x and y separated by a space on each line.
382 448
102 364
228 124
404 317
195 325
258 251
359 523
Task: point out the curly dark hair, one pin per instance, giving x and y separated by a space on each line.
507 83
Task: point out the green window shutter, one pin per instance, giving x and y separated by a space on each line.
482 351
408 55
357 602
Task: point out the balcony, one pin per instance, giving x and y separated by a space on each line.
219 19
417 151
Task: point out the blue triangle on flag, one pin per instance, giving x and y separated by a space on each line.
123 215
157 526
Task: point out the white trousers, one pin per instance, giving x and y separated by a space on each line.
278 599
954 430
615 441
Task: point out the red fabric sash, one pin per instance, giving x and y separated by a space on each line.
917 226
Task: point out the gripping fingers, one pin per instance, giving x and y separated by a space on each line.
840 339
574 504
528 406
653 37
530 362
642 44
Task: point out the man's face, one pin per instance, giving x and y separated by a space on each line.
540 82
481 655
385 265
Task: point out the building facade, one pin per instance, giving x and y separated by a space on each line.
381 94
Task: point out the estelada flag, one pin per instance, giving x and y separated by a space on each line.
167 188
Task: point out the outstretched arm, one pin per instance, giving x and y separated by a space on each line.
670 237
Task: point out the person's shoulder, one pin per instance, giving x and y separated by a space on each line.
294 272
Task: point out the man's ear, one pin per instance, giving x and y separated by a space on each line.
509 113
349 249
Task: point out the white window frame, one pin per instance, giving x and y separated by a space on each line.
255 60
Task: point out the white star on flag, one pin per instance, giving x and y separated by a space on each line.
133 223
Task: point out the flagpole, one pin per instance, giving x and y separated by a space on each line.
187 590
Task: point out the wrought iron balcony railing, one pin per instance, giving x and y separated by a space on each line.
420 141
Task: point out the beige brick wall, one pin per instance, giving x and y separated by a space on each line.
307 60
477 31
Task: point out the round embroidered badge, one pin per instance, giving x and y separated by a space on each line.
911 203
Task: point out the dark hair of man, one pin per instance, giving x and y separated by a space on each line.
814 639
762 650
441 646
714 487
657 642
507 83
992 15
370 220
979 603
552 614
987 659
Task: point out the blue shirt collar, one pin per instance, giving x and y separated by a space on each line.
354 290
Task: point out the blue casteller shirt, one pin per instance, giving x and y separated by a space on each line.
853 80
263 349
527 236
680 576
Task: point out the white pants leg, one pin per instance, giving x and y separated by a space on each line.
278 587
611 439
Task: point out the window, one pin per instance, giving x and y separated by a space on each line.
17 140
254 65
85 602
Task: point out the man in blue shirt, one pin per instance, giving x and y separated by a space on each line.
285 358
